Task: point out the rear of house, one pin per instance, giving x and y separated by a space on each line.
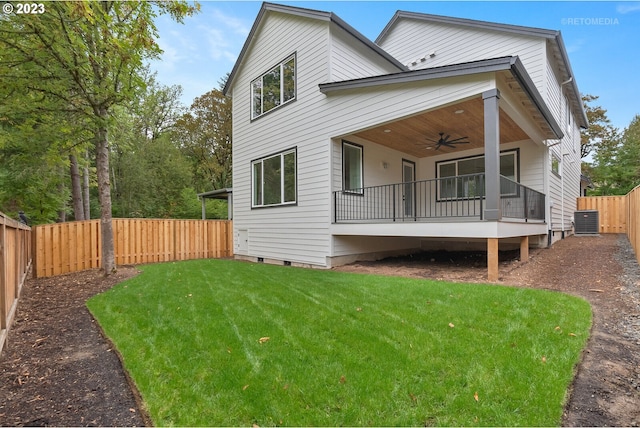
444 133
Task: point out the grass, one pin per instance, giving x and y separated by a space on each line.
219 342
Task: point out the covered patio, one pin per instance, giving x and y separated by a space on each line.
457 190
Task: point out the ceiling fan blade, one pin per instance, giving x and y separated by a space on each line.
457 139
433 141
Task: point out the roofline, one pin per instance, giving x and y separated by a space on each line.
554 35
516 29
221 193
574 85
307 13
509 63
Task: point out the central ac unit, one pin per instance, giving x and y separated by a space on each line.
587 222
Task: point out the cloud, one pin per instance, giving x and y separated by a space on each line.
237 26
628 8
575 45
224 35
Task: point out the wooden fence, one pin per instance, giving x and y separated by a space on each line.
15 258
617 214
633 220
612 212
74 246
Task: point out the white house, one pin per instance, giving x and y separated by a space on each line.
443 133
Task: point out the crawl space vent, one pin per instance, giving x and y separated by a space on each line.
586 222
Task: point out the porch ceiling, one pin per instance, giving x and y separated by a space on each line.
464 119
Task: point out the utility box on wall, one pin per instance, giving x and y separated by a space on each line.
587 222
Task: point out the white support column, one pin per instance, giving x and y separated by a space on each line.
492 211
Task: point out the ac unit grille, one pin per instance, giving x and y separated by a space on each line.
587 222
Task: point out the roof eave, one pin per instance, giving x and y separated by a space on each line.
476 67
584 121
516 29
308 13
512 64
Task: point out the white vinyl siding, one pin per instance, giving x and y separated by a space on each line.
564 156
351 59
413 39
296 232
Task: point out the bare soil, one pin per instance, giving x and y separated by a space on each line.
57 369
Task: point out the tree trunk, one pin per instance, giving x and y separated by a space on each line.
104 193
76 189
85 192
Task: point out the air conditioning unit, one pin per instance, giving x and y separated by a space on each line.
586 222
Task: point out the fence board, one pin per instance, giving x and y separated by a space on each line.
15 259
75 246
633 220
617 214
612 212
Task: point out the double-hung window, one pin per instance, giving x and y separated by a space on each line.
274 180
274 88
464 178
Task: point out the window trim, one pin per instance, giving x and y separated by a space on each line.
516 153
282 102
261 160
358 191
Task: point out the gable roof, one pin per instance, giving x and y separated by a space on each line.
553 36
509 63
313 14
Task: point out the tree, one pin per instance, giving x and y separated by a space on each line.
599 129
627 164
204 135
148 170
84 58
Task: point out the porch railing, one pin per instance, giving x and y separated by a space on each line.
460 197
520 202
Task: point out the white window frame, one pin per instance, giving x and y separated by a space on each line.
261 182
259 83
350 189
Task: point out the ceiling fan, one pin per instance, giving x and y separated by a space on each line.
445 141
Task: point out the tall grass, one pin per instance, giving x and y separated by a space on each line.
214 342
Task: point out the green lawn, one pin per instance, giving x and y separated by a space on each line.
219 342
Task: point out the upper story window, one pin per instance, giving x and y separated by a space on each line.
274 180
274 88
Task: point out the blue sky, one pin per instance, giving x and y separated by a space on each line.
602 39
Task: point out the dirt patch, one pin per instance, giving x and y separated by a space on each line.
57 368
603 270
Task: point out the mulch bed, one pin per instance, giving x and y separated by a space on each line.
58 369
